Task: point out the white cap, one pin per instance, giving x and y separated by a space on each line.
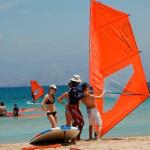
76 78
53 86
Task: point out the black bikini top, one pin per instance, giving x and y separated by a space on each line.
51 102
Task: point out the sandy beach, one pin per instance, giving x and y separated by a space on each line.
128 143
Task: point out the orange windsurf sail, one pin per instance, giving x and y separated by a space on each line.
113 48
36 89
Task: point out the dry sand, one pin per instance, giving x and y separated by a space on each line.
126 143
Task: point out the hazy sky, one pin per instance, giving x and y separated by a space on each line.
47 40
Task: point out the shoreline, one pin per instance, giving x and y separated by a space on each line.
115 143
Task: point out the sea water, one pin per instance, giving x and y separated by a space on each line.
14 130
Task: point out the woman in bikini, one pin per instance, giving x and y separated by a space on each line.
48 105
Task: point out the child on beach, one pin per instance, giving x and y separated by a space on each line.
93 114
48 105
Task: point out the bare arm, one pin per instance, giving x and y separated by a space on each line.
43 105
61 97
98 96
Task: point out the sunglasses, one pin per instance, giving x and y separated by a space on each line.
53 88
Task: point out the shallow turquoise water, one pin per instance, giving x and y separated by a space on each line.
22 130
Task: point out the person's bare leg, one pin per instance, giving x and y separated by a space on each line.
95 132
52 121
78 137
68 118
90 132
99 132
56 119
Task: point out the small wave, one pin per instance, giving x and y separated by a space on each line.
31 103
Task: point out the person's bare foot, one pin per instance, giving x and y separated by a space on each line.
90 139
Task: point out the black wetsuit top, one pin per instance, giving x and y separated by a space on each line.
75 95
15 111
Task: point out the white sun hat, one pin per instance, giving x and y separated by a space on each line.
53 86
76 78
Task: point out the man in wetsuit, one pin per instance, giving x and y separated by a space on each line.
74 96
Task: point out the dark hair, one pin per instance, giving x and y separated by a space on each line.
84 86
2 104
69 84
51 88
73 84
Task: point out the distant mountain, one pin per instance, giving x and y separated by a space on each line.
58 72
